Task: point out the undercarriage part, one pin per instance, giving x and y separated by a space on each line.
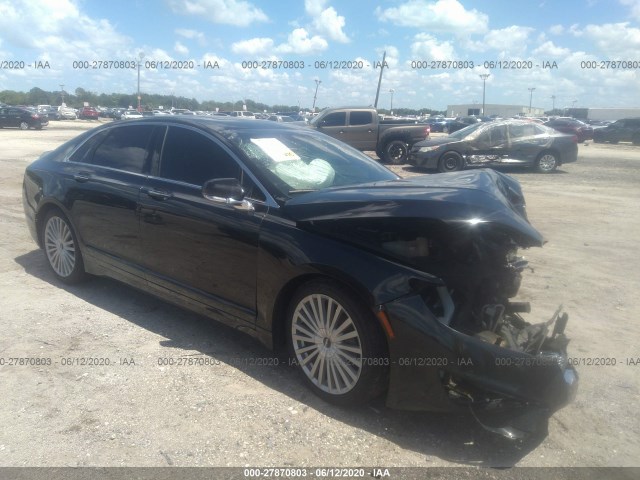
512 332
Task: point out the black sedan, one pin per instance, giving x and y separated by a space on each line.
375 284
502 142
22 118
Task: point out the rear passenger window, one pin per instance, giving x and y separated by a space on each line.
125 148
360 118
337 119
188 156
85 152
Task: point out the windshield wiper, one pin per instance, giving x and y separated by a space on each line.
303 190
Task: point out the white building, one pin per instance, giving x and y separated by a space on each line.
612 113
492 109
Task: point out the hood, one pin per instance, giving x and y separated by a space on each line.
472 197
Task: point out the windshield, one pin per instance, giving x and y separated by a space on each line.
295 161
467 131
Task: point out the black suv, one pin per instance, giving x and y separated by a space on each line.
624 130
22 118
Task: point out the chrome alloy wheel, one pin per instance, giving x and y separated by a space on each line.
547 162
327 344
59 246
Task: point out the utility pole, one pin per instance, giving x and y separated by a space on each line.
139 64
315 95
384 55
391 90
553 103
484 77
62 94
531 89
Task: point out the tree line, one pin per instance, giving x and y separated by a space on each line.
37 96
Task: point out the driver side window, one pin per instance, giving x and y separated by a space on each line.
190 157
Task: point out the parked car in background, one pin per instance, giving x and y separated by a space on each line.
573 127
501 142
48 111
287 119
285 234
22 118
88 113
129 114
361 128
459 123
67 113
436 124
243 114
624 130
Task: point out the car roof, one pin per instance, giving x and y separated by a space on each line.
215 124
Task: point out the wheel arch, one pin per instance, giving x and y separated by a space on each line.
553 151
281 304
41 214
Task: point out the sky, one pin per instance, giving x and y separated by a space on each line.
226 50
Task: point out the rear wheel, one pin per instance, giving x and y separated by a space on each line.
636 139
24 126
395 152
450 162
547 162
337 344
61 248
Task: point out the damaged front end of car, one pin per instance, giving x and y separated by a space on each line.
459 342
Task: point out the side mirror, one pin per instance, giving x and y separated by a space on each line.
225 188
227 191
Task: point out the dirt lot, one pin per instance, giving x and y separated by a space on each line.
137 412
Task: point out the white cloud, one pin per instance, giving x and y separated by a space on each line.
231 12
180 49
509 40
326 20
634 7
253 46
429 48
556 29
549 49
192 35
299 42
615 40
439 16
44 26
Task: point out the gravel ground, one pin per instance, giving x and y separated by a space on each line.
225 411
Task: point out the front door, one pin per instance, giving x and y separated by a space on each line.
203 250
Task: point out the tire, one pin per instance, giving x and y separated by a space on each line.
395 152
636 139
24 126
450 162
547 162
61 248
337 345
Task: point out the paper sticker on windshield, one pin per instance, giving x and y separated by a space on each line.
277 150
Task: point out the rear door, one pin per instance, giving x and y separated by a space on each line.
200 251
527 140
105 175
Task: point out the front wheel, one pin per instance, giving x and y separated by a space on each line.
24 126
547 162
61 248
450 162
337 345
395 152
